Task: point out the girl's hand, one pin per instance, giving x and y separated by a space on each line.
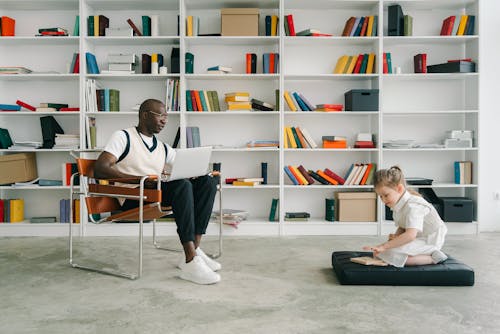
375 249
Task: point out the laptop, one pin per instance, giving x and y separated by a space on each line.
190 162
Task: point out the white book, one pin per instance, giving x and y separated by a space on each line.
352 174
364 137
308 138
155 25
360 175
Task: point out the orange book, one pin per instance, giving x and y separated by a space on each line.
302 140
334 144
364 27
298 175
365 176
8 26
198 100
326 177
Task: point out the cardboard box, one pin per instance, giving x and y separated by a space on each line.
356 206
20 167
240 22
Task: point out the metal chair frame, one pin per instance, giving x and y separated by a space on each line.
75 191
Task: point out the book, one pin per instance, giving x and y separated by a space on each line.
407 25
260 105
334 176
310 141
7 26
251 63
348 26
420 63
16 210
92 67
136 30
263 172
300 214
146 25
305 174
25 105
10 107
245 183
330 209
273 212
290 175
42 220
291 27
226 69
369 261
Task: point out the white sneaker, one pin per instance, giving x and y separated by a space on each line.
212 264
438 257
198 272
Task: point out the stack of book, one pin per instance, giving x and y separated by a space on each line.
313 33
52 32
47 106
296 137
238 101
14 70
296 101
364 140
361 26
271 25
360 174
356 64
202 100
232 217
454 26
121 63
463 172
245 181
299 175
297 216
334 142
219 69
12 210
25 145
270 62
261 105
329 107
66 141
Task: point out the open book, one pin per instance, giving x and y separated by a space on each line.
369 261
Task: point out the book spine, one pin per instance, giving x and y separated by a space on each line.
263 172
273 210
136 30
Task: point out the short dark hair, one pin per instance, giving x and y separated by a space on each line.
148 105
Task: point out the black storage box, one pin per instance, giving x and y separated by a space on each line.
361 100
453 67
457 209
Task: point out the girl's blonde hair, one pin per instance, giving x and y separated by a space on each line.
391 178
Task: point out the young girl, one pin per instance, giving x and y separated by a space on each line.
420 233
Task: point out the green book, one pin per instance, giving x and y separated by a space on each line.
277 96
274 209
189 102
146 25
90 25
114 100
76 29
216 100
296 137
408 25
330 209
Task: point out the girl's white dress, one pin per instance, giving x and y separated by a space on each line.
412 211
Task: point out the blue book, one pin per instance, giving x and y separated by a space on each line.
10 107
203 101
375 25
106 99
265 63
290 175
268 25
301 103
92 67
456 165
189 137
389 62
360 25
195 132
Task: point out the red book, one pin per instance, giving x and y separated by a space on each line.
230 180
68 173
306 175
320 34
249 63
291 27
1 210
53 33
136 30
8 26
193 100
459 60
363 27
357 68
420 63
364 144
76 67
334 176
385 66
70 109
451 23
25 105
271 62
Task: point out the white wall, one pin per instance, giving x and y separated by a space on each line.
489 127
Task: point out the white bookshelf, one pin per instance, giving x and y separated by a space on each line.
420 106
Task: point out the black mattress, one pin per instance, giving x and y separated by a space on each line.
449 273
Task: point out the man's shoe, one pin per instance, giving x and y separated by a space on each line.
212 264
438 257
197 271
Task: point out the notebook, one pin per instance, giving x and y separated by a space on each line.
190 162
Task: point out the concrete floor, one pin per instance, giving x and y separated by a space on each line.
269 285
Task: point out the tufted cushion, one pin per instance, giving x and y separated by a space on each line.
451 272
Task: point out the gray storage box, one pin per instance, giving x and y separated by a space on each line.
361 100
457 209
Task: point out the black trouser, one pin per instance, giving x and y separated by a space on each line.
191 200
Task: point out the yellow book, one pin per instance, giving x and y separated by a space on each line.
231 94
339 67
96 25
289 134
348 62
369 29
299 175
274 25
189 26
371 63
461 26
16 210
245 183
289 101
285 139
237 98
352 64
76 211
154 58
246 106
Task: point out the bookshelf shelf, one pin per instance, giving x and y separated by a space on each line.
421 107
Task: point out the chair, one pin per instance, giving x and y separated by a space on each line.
101 197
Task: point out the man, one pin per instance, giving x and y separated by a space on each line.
136 152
